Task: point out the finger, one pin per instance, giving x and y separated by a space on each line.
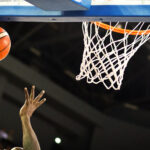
26 93
41 102
39 96
32 92
26 102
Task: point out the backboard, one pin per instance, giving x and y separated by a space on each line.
75 10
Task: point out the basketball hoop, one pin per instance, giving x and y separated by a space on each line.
108 49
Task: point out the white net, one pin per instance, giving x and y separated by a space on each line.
107 53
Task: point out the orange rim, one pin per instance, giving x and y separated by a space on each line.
122 31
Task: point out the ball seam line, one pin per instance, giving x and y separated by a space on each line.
3 34
5 48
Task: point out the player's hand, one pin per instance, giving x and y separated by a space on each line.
31 102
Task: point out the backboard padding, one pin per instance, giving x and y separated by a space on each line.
100 10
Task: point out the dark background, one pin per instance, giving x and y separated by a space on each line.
85 116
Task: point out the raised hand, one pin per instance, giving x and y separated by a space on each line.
31 103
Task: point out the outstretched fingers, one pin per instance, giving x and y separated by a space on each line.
41 102
32 92
37 99
26 95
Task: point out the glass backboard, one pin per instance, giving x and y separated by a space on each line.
80 10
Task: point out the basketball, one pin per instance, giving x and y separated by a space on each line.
5 44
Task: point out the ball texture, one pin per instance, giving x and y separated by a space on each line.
5 44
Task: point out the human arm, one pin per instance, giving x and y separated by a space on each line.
30 141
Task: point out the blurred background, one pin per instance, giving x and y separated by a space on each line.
77 115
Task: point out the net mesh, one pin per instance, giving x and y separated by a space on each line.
107 53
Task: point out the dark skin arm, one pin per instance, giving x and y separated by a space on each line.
30 141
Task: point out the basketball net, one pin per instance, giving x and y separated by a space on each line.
107 51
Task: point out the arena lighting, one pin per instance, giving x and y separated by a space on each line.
57 140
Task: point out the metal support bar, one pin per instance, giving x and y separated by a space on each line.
72 19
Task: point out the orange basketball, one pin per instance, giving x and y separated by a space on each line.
5 43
